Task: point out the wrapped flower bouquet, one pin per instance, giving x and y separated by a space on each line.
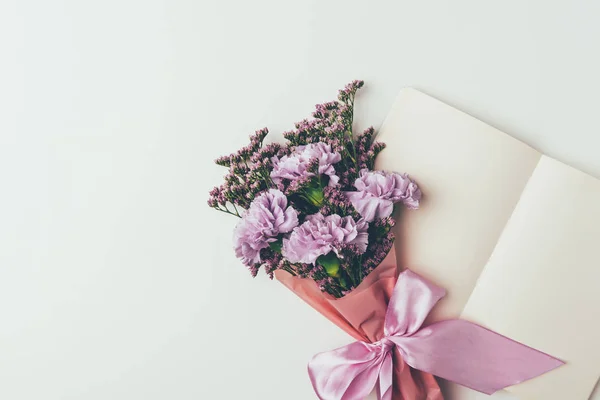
314 213
314 207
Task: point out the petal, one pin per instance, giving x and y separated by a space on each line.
290 220
385 208
362 241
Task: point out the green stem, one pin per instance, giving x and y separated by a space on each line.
226 211
290 270
264 172
360 269
355 158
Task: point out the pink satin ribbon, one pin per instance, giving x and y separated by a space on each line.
456 350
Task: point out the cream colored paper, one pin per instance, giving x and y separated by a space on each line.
471 175
540 287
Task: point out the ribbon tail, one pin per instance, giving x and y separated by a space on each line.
385 386
473 356
347 373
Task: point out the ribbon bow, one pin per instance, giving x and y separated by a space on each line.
456 350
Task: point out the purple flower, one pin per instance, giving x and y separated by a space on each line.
266 218
379 190
295 165
320 235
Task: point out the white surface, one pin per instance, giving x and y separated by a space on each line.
116 281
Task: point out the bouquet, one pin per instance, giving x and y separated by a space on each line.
315 214
314 207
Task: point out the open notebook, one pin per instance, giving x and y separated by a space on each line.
513 235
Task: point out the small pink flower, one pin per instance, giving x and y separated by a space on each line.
379 190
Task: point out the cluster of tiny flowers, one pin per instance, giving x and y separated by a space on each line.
254 269
379 250
347 177
216 198
272 262
326 283
307 131
248 175
336 202
350 90
265 154
367 149
332 124
302 270
384 223
323 111
314 207
298 186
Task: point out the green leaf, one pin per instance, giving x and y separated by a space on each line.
315 196
276 246
331 264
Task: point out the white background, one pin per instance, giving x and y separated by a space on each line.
116 280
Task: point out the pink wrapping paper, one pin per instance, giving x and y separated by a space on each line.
361 314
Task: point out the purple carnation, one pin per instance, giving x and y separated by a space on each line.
379 190
266 218
320 235
295 166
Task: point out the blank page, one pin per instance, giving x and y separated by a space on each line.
541 284
471 176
